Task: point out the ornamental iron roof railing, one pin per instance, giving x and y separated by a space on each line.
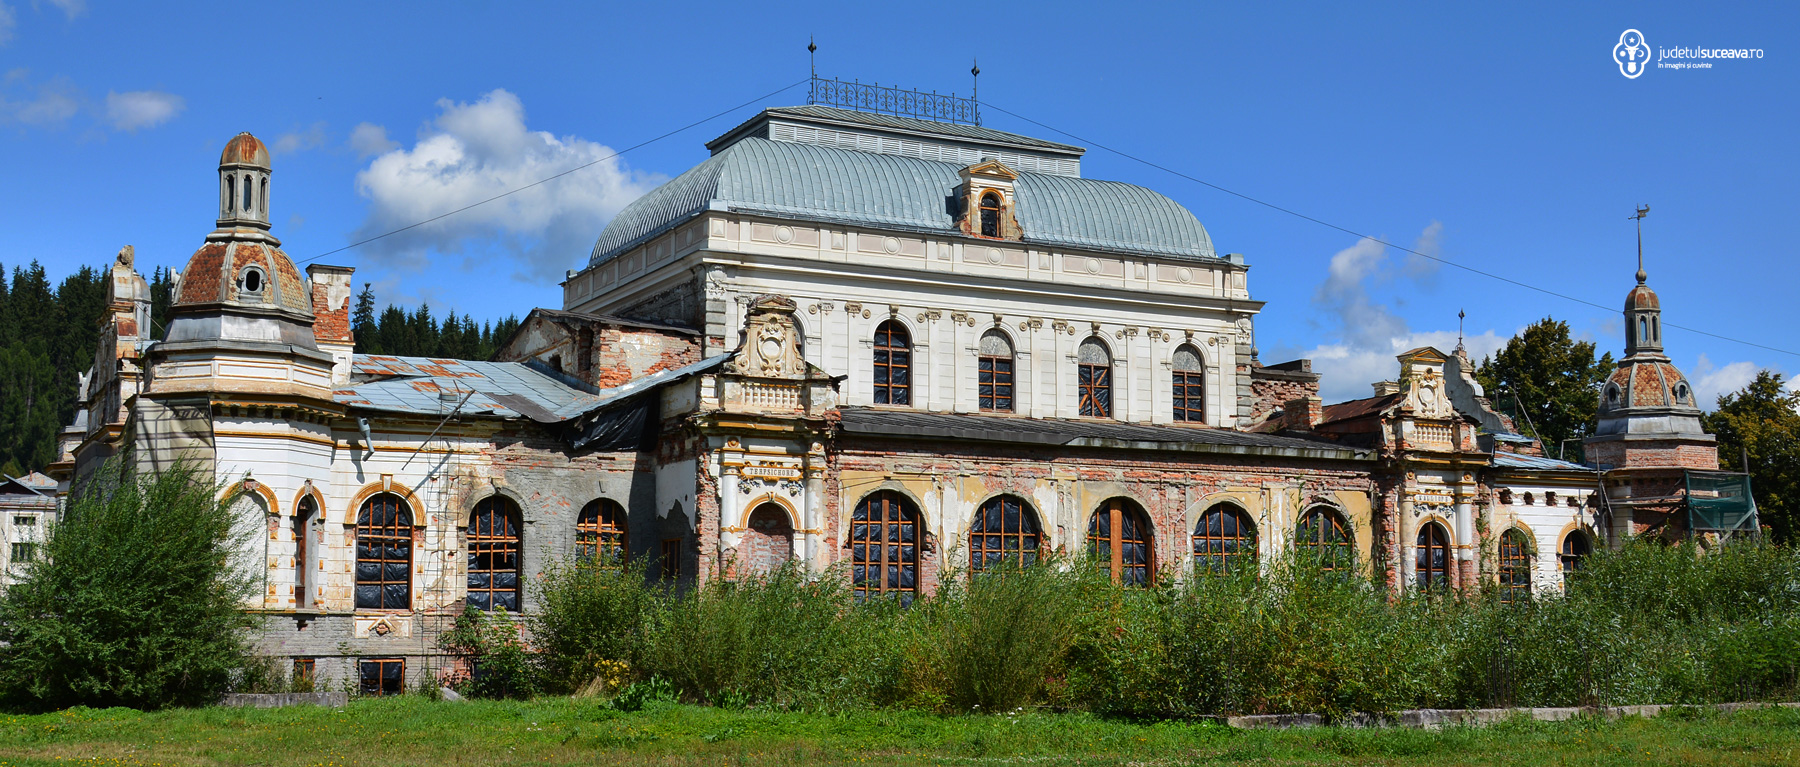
870 97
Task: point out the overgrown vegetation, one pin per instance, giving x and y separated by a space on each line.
136 601
1648 624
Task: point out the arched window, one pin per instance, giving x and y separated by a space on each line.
1005 529
230 194
1093 379
884 547
1224 540
306 517
893 364
996 372
1643 334
990 214
384 554
494 555
1515 566
1119 537
1323 536
262 197
600 532
1431 559
769 541
1189 384
248 189
1575 548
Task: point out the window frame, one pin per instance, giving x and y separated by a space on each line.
1187 387
1569 561
593 533
1093 382
1433 539
400 532
988 217
1108 545
1209 549
1515 564
669 560
380 689
897 546
883 365
1323 546
502 550
995 508
990 389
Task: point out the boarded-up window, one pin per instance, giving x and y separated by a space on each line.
1515 566
1323 537
384 554
893 364
995 373
1223 540
1188 384
494 545
1431 557
769 541
1119 538
1005 530
600 533
1093 378
884 547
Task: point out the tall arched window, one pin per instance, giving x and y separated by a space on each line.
248 188
1323 536
1515 566
884 547
1431 557
230 194
1093 378
384 554
1119 537
990 214
600 532
995 375
893 364
1005 529
1189 384
306 517
262 197
1575 547
494 555
1224 540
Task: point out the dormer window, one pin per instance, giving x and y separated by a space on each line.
990 214
252 280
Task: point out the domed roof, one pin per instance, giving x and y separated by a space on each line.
244 274
843 186
1641 297
1646 383
245 149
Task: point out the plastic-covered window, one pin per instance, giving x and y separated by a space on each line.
1431 558
1323 535
893 364
385 676
1515 567
1119 538
600 533
493 576
1224 540
1005 530
995 372
384 554
884 547
1093 379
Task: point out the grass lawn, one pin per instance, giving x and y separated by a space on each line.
417 731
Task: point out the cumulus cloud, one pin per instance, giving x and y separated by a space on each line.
54 102
472 152
370 139
1711 380
1369 334
295 141
132 110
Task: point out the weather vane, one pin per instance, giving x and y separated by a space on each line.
975 72
1642 211
811 59
1460 314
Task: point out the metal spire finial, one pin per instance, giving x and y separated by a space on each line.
811 58
1460 315
1642 211
975 71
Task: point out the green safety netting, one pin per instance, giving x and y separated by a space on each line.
1720 502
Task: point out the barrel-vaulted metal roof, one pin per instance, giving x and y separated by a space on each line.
846 187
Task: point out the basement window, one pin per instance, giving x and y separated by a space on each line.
382 677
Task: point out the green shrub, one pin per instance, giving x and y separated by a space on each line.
591 625
136 601
493 647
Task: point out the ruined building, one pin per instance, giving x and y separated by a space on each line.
898 350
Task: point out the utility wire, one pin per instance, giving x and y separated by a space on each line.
539 182
1354 233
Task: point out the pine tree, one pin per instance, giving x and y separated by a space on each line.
362 321
162 298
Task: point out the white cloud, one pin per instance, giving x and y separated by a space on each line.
370 139
1346 371
295 141
1711 381
56 101
8 21
475 151
132 110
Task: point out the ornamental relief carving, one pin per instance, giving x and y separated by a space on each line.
770 347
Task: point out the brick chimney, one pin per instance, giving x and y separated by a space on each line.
1302 414
1384 388
331 293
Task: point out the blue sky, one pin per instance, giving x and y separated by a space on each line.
1502 137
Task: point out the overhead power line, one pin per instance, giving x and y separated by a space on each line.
1354 233
548 179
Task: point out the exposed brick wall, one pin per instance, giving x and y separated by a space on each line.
1273 386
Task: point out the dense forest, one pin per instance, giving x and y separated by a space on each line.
48 334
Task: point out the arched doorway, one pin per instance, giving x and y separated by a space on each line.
769 541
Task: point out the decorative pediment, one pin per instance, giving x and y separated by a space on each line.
1427 397
991 168
771 341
